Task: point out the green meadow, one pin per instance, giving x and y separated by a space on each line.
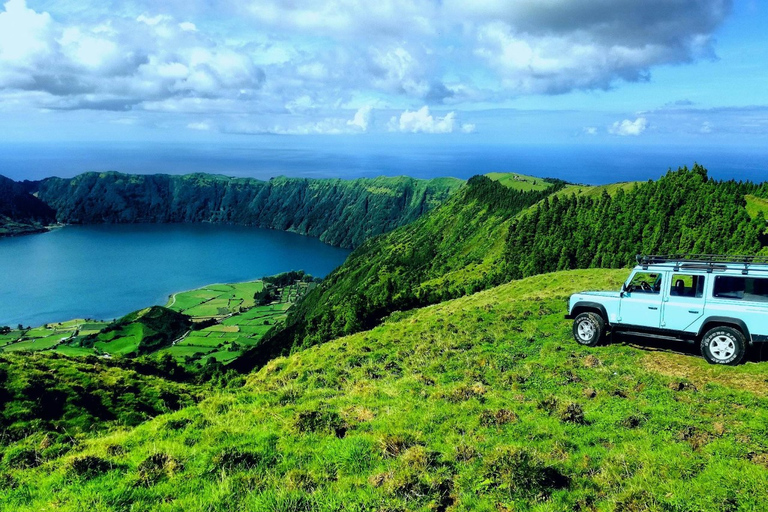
482 403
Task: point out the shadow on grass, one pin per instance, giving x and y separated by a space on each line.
757 353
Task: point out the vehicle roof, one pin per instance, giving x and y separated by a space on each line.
705 263
756 268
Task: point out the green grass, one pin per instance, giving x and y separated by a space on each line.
519 181
215 300
483 403
145 330
595 191
48 336
756 205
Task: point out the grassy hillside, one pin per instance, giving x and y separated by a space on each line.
50 402
140 332
487 234
411 266
484 403
202 328
519 181
339 212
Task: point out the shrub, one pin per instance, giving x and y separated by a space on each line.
22 458
573 413
158 467
321 421
521 473
497 418
89 466
392 445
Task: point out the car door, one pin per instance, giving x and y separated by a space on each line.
684 301
640 305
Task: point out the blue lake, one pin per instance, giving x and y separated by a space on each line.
105 272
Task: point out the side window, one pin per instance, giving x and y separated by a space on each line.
741 288
684 285
645 282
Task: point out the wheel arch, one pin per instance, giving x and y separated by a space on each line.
590 307
725 321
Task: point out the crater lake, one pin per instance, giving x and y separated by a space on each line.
106 271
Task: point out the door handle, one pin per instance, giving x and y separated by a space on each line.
694 312
653 307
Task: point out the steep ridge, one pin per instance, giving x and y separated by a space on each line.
484 236
481 403
20 211
339 212
402 269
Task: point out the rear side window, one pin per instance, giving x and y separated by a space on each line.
752 289
686 285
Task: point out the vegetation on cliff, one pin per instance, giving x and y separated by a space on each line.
340 212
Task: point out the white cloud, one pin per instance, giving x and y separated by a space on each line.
117 63
627 127
422 121
362 118
201 126
706 127
311 58
590 130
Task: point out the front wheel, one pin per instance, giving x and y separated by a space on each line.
588 329
723 345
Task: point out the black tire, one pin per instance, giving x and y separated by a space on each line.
588 329
723 345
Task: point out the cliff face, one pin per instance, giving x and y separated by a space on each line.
20 211
339 212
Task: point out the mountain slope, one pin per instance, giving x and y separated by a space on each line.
140 332
484 403
484 236
339 212
403 269
21 212
61 399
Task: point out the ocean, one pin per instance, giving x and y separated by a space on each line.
346 157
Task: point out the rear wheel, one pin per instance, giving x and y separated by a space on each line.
588 329
723 345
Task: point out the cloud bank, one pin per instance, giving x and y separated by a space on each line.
294 57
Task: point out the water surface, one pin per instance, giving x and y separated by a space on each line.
104 272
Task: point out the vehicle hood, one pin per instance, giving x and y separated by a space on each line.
600 294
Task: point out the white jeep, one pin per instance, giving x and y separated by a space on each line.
720 302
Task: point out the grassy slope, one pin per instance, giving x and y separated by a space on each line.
756 205
481 403
519 181
448 252
52 402
139 332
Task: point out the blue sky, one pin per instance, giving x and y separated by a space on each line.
691 72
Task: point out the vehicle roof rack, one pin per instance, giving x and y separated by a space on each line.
708 262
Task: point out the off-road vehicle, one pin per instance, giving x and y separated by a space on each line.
720 302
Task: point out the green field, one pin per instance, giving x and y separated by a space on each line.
240 321
215 300
756 205
519 181
483 403
48 336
